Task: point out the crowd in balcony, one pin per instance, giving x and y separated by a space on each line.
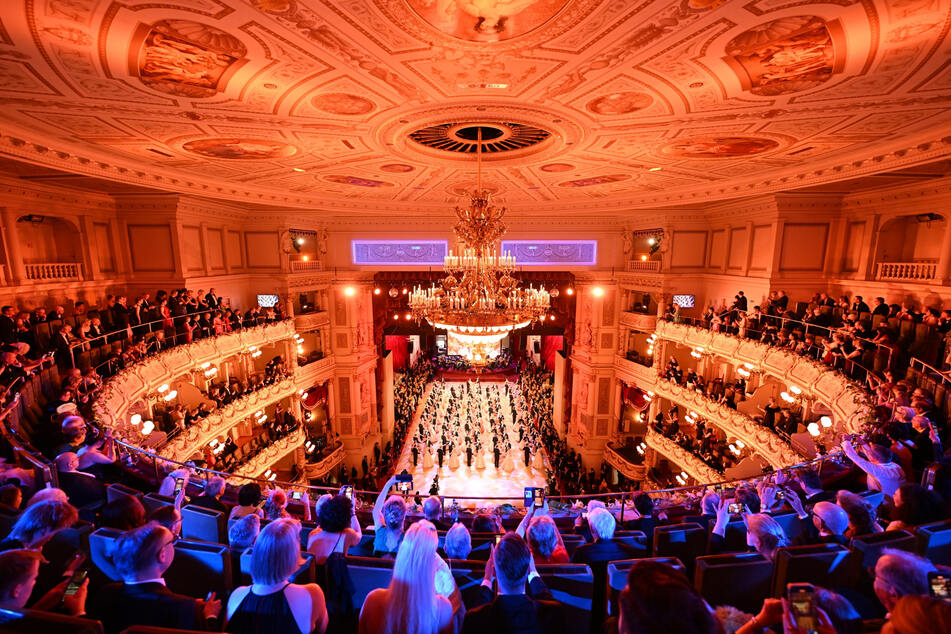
698 438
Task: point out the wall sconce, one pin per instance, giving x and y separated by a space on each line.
147 428
135 419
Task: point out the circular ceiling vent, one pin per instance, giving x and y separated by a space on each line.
463 138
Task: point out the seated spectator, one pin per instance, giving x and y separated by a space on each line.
410 604
883 474
915 614
831 522
644 508
898 574
38 524
249 496
432 510
915 505
123 513
581 523
19 570
861 514
389 514
486 523
244 531
512 610
81 486
339 529
545 541
271 603
458 542
141 557
660 600
211 498
49 494
603 547
10 499
168 516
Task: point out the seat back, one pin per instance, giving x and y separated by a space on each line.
823 565
32 621
207 525
791 524
686 542
617 577
866 549
468 575
199 568
117 490
368 574
306 573
572 585
738 579
934 542
152 501
734 537
571 543
482 546
634 539
100 550
305 529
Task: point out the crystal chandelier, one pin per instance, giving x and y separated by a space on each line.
479 302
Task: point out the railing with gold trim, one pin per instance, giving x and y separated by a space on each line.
687 461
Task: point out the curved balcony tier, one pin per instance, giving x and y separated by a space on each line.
325 465
619 461
276 450
688 462
849 403
200 433
134 383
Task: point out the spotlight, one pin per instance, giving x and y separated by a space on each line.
826 421
350 291
408 316
598 291
377 291
300 241
569 291
396 317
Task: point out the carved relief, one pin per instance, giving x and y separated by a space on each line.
356 181
719 147
619 103
694 466
241 149
341 103
480 21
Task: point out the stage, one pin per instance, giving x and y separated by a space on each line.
464 481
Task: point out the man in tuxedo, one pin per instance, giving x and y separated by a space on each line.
82 488
60 344
439 456
8 325
496 455
512 610
212 299
468 456
415 451
141 557
528 455
120 316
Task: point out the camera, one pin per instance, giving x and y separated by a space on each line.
802 604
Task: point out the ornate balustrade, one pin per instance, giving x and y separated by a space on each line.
644 266
135 383
688 462
638 321
617 460
200 433
314 372
907 271
306 266
634 373
849 403
266 458
327 464
311 321
53 271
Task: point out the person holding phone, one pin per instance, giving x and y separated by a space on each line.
339 529
543 537
389 514
19 570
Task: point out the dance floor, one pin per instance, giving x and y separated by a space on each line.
469 482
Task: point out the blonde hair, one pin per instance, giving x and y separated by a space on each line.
276 552
768 533
394 512
542 535
412 607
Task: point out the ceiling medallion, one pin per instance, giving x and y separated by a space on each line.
470 137
479 302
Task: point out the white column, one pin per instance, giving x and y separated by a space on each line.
14 252
389 412
941 274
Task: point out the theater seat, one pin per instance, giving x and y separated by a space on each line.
368 574
634 539
152 501
207 525
686 542
866 549
791 524
117 490
36 621
482 546
617 577
199 568
934 542
100 550
823 565
572 542
151 629
572 585
468 575
738 579
734 537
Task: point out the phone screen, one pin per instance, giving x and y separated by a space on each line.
498 538
539 499
403 487
76 582
736 508
803 607
179 483
295 495
940 585
529 496
348 491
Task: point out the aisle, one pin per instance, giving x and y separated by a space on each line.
468 481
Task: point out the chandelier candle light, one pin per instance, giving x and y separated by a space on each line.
479 302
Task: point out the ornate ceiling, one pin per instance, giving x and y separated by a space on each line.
598 104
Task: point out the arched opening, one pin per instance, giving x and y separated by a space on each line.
51 248
909 247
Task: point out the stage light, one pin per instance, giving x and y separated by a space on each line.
377 291
826 421
569 291
408 316
651 241
396 316
598 291
136 419
813 429
350 291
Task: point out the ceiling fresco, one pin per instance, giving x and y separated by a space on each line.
367 104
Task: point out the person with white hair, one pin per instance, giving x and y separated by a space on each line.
389 514
458 542
581 524
243 532
543 536
432 509
604 547
211 498
898 574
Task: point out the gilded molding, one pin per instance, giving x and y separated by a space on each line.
638 321
694 466
320 469
265 458
849 403
633 471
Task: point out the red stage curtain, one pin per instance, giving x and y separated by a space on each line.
551 344
397 345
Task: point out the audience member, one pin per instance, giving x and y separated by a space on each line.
914 614
211 498
458 542
898 574
432 511
660 600
38 524
249 497
389 514
339 529
244 531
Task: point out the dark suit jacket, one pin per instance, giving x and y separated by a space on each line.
515 614
82 489
119 605
209 502
7 330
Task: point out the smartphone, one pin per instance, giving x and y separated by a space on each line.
780 495
718 489
529 496
295 495
939 585
802 604
179 485
498 539
348 491
76 581
404 487
584 515
539 499
736 508
927 477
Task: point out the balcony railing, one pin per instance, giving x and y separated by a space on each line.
688 462
306 266
314 470
54 271
643 266
266 458
907 271
617 458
